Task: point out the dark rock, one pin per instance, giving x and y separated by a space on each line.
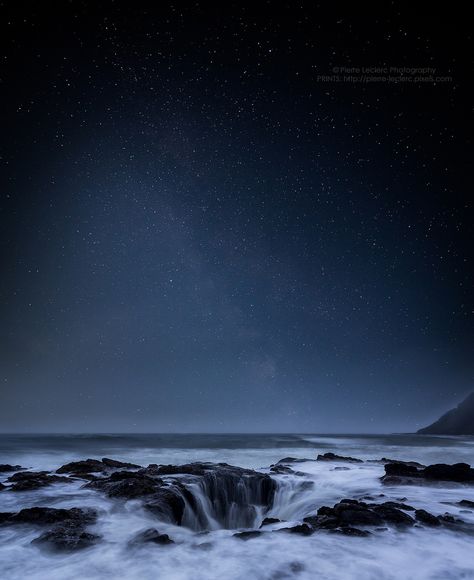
151 535
402 470
5 517
459 472
349 514
285 470
45 515
399 461
449 519
340 468
334 457
86 476
125 484
66 537
29 480
466 503
119 464
198 469
269 521
6 467
301 529
247 535
24 475
426 518
393 516
458 421
85 466
350 531
292 460
2 486
357 515
167 503
396 505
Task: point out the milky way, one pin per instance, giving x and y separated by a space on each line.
206 225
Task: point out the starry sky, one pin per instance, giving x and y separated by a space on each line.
233 219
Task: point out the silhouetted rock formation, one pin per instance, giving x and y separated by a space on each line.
403 473
333 457
458 421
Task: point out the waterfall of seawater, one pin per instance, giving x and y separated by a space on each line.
228 502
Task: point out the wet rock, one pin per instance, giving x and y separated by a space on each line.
350 531
301 529
397 505
2 486
466 503
402 470
349 513
392 515
5 517
23 475
399 461
167 503
86 476
285 470
459 472
291 460
125 484
269 521
426 518
85 466
247 535
45 516
29 480
66 537
402 473
334 457
6 467
119 464
151 536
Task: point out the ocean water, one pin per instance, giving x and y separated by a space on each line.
413 554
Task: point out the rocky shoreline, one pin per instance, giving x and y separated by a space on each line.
238 499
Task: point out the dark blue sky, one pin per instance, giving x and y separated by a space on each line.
200 232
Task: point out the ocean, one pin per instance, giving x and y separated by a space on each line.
212 552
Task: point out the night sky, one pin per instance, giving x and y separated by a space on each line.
202 229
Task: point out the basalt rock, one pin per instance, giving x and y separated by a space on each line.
285 470
348 514
466 503
84 466
125 484
334 457
29 480
269 521
66 537
6 467
402 473
247 535
168 504
151 536
45 516
459 472
292 460
300 529
426 518
119 464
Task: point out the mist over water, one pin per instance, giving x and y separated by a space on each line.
211 552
